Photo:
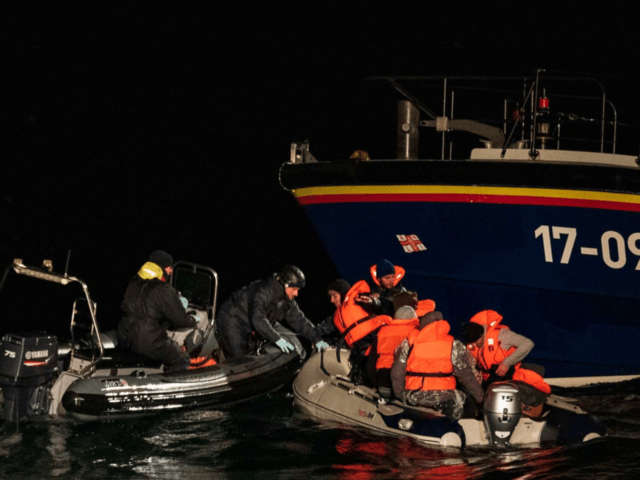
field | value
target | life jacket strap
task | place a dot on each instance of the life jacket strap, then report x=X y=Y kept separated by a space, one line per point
x=356 y=323
x=418 y=374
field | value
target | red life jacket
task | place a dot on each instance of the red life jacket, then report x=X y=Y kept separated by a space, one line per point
x=491 y=352
x=389 y=337
x=532 y=378
x=429 y=364
x=399 y=275
x=353 y=321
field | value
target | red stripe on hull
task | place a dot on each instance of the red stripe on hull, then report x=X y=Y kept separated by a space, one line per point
x=462 y=198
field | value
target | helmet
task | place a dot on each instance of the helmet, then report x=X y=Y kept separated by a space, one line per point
x=291 y=276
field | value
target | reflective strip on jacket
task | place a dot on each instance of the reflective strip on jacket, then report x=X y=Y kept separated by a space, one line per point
x=389 y=337
x=429 y=365
x=353 y=321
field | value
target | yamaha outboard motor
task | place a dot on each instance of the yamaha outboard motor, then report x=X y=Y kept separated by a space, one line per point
x=502 y=412
x=28 y=367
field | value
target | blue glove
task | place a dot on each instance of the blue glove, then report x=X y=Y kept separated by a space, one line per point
x=185 y=302
x=285 y=346
x=321 y=345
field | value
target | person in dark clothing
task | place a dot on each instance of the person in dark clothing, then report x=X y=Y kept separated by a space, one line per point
x=258 y=307
x=149 y=303
x=336 y=291
x=386 y=284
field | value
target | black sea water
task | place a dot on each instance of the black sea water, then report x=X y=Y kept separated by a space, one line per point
x=266 y=438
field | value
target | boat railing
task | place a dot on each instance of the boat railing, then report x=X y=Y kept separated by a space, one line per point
x=206 y=296
x=46 y=273
x=526 y=117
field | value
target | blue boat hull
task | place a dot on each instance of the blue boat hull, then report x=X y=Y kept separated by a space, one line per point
x=561 y=265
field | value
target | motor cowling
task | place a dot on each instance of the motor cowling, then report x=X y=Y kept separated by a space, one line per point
x=502 y=412
x=28 y=367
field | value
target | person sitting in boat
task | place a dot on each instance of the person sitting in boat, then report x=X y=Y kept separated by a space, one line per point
x=258 y=307
x=336 y=291
x=428 y=365
x=149 y=302
x=389 y=337
x=387 y=285
x=498 y=352
x=358 y=321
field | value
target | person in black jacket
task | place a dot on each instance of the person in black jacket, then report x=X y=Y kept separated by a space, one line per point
x=258 y=308
x=149 y=302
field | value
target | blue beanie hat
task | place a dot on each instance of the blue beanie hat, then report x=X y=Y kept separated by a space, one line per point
x=385 y=267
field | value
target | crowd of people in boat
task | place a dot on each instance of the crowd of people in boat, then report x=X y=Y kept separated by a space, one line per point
x=402 y=346
x=397 y=343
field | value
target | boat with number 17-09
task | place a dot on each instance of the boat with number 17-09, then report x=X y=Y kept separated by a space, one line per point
x=534 y=214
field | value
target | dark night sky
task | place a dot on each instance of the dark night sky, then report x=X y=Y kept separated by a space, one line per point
x=131 y=126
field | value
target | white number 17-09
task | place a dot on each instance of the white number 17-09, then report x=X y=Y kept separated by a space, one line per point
x=608 y=240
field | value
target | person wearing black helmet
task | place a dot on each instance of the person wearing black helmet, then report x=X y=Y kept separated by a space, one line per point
x=258 y=308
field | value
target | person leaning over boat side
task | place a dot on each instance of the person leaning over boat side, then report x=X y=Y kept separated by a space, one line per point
x=499 y=352
x=150 y=301
x=427 y=365
x=336 y=292
x=260 y=305
x=358 y=320
x=495 y=347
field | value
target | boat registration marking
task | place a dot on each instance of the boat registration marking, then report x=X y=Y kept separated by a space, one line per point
x=613 y=245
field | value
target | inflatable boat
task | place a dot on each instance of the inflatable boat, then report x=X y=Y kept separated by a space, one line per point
x=88 y=377
x=323 y=390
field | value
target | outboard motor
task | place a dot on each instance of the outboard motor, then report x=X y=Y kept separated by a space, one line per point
x=28 y=367
x=502 y=412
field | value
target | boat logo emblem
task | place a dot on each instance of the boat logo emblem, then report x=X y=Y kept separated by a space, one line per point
x=411 y=243
x=36 y=354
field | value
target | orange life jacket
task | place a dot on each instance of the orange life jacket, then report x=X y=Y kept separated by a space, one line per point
x=532 y=378
x=491 y=352
x=389 y=337
x=399 y=275
x=429 y=364
x=425 y=306
x=353 y=321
